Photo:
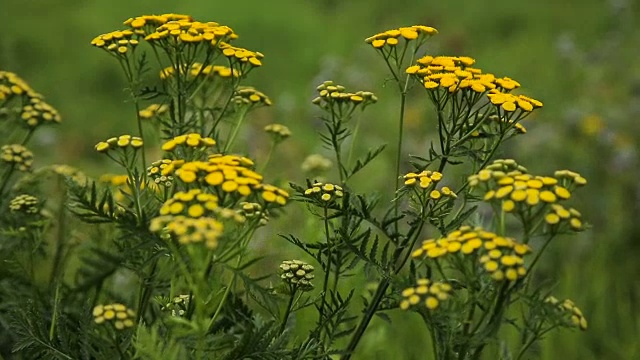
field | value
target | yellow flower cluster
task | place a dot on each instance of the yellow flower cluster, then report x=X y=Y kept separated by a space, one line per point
x=330 y=93
x=34 y=111
x=155 y=172
x=188 y=230
x=197 y=69
x=186 y=31
x=230 y=174
x=151 y=22
x=567 y=307
x=454 y=73
x=114 y=180
x=153 y=110
x=425 y=185
x=192 y=140
x=122 y=142
x=427 y=292
x=250 y=96
x=117 y=42
x=391 y=38
x=116 y=314
x=508 y=183
x=501 y=257
x=11 y=84
x=316 y=163
x=278 y=131
x=324 y=193
x=193 y=203
x=25 y=203
x=510 y=102
x=252 y=210
x=241 y=56
x=297 y=274
x=559 y=215
x=17 y=155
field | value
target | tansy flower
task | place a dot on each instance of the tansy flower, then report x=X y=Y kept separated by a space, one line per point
x=193 y=203
x=117 y=315
x=247 y=95
x=510 y=102
x=426 y=293
x=185 y=32
x=39 y=112
x=189 y=230
x=192 y=140
x=332 y=95
x=315 y=163
x=120 y=142
x=278 y=131
x=17 y=156
x=392 y=38
x=155 y=172
x=569 y=311
x=24 y=203
x=297 y=274
x=324 y=194
x=153 y=110
x=118 y=43
x=500 y=257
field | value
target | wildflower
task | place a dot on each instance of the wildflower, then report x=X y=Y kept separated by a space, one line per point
x=330 y=95
x=278 y=131
x=272 y=194
x=500 y=257
x=12 y=85
x=569 y=311
x=509 y=102
x=240 y=58
x=247 y=95
x=17 y=156
x=316 y=163
x=120 y=142
x=118 y=315
x=193 y=203
x=297 y=274
x=252 y=210
x=148 y=23
x=192 y=140
x=559 y=216
x=25 y=203
x=118 y=43
x=186 y=32
x=428 y=293
x=153 y=110
x=189 y=230
x=324 y=193
x=199 y=70
x=155 y=173
x=38 y=112
x=391 y=38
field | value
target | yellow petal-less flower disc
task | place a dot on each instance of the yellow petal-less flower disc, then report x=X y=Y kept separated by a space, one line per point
x=431 y=303
x=562 y=193
x=547 y=196
x=214 y=178
x=102 y=146
x=552 y=219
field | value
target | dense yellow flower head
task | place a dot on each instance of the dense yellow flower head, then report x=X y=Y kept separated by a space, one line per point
x=392 y=38
x=278 y=131
x=506 y=183
x=148 y=23
x=197 y=70
x=330 y=94
x=191 y=140
x=500 y=257
x=247 y=95
x=510 y=102
x=241 y=58
x=153 y=111
x=35 y=111
x=193 y=203
x=297 y=274
x=24 y=203
x=120 y=142
x=324 y=193
x=117 y=315
x=426 y=293
x=569 y=311
x=155 y=172
x=187 y=32
x=189 y=230
x=17 y=155
x=119 y=43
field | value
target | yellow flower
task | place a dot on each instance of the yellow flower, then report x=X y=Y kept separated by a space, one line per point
x=430 y=293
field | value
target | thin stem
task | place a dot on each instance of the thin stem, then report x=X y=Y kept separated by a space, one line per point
x=327 y=269
x=288 y=311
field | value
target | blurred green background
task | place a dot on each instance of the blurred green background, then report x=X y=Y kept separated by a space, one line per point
x=580 y=57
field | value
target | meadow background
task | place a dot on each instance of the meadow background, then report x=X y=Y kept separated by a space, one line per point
x=580 y=57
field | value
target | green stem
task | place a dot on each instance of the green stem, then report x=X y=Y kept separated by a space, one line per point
x=327 y=269
x=288 y=311
x=236 y=129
